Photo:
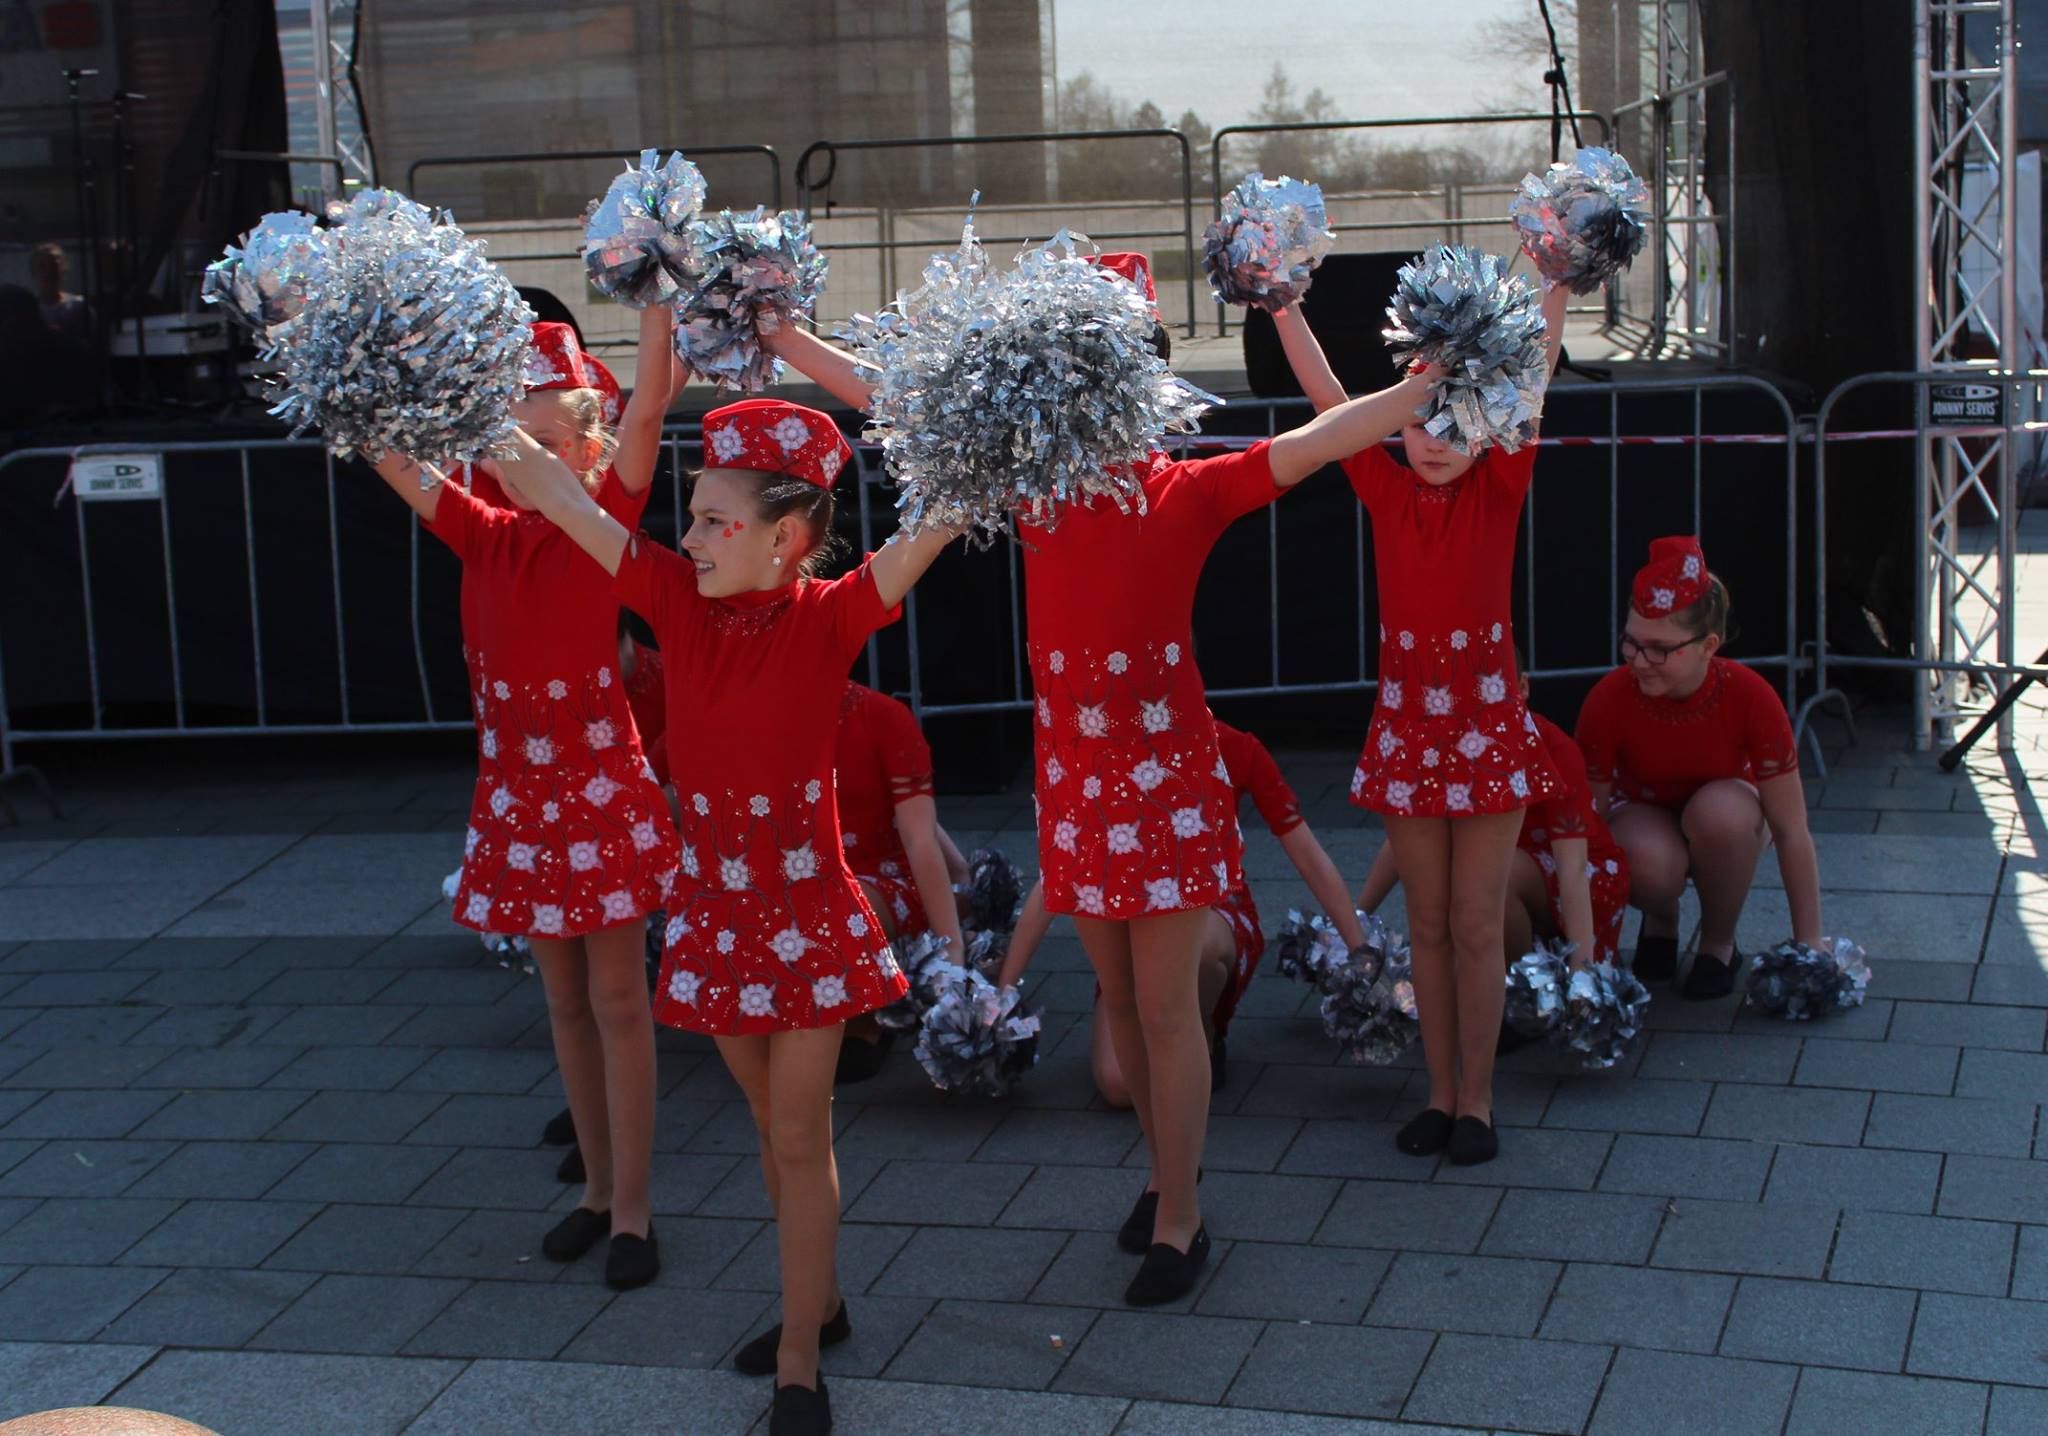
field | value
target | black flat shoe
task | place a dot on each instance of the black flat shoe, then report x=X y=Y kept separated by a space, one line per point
x=1168 y=1274
x=1656 y=958
x=575 y=1234
x=757 y=1357
x=1427 y=1133
x=632 y=1261
x=860 y=1059
x=560 y=1130
x=1472 y=1142
x=1710 y=977
x=800 y=1411
x=1135 y=1235
x=570 y=1168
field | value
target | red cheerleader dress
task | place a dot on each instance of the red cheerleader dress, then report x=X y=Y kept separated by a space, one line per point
x=1663 y=750
x=767 y=929
x=646 y=694
x=568 y=832
x=1254 y=774
x=1450 y=736
x=1571 y=814
x=883 y=759
x=1134 y=804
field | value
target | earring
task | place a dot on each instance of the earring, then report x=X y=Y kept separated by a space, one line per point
x=778 y=560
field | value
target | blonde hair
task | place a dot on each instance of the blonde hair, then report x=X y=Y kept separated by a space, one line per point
x=586 y=412
x=1708 y=613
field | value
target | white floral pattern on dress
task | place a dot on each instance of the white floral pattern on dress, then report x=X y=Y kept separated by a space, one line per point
x=599 y=734
x=557 y=689
x=1088 y=898
x=1092 y=721
x=1158 y=717
x=479 y=909
x=520 y=856
x=1473 y=744
x=856 y=925
x=734 y=875
x=1148 y=775
x=601 y=789
x=829 y=992
x=1458 y=797
x=1063 y=835
x=757 y=999
x=583 y=857
x=1187 y=822
x=1123 y=837
x=620 y=907
x=539 y=752
x=1493 y=688
x=547 y=918
x=1401 y=795
x=1436 y=701
x=1390 y=694
x=799 y=863
x=789 y=944
x=1162 y=893
x=644 y=835
x=683 y=983
x=1118 y=663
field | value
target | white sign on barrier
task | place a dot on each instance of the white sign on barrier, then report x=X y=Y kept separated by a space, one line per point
x=117 y=476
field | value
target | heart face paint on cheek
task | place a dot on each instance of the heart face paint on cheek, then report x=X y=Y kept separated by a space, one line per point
x=733 y=528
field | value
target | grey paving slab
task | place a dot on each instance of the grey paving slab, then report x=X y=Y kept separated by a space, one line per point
x=1499 y=1296
x=1351 y=1371
x=1638 y=1306
x=1855 y=1177
x=1992 y=1187
x=1928 y=1253
x=70 y=1303
x=1130 y=1354
x=1084 y=1138
x=1158 y=1418
x=381 y=1117
x=129 y=910
x=185 y=954
x=1977 y=1126
x=1716 y=1057
x=1286 y=1282
x=2017 y=1411
x=505 y=1246
x=1538 y=1157
x=1991 y=1073
x=210 y=1233
x=66 y=954
x=328 y=1026
x=480 y=1070
x=1911 y=981
x=1416 y=1217
x=1830 y=1402
x=554 y=1396
x=364 y=1240
x=459 y=986
x=510 y=1320
x=84 y=1113
x=1289 y=1090
x=199 y=987
x=1977 y=1338
x=1344 y=1148
x=234 y=1391
x=1502 y=1381
x=1677 y=1395
x=220 y=1308
x=358 y=1315
x=358 y=1172
x=497 y=1120
x=1787 y=1114
x=1970 y=1024
x=958 y=1262
x=2014 y=983
x=1781 y=1239
x=280 y=953
x=490 y=1177
x=1237 y=1143
x=1820 y=1323
x=203 y=863
x=82 y=1169
x=216 y=1026
x=1878 y=1066
x=1721 y=1168
x=1640 y=1104
x=49 y=1375
x=253 y=909
x=1575 y=1226
x=349 y=1069
x=83 y=1032
x=216 y=1068
x=90 y=1233
x=922 y=1409
x=993 y=1344
x=293 y=986
x=448 y=1025
x=75 y=989
x=1244 y=1207
x=221 y=1116
x=2030 y=1265
x=1092 y=1271
x=661 y=1327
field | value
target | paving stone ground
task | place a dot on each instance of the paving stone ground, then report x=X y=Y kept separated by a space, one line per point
x=269 y=1159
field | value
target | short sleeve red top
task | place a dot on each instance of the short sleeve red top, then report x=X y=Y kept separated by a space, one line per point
x=1663 y=750
x=883 y=759
x=1254 y=773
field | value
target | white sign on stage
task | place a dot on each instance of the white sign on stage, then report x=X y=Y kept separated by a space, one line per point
x=117 y=476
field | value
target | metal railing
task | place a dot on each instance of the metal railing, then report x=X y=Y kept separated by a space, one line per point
x=531 y=157
x=885 y=248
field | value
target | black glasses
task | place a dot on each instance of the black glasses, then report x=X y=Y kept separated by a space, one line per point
x=1653 y=654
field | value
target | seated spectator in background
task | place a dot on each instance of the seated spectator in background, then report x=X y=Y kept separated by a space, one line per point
x=66 y=313
x=41 y=371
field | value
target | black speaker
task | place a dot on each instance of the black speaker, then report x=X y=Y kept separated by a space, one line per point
x=1346 y=308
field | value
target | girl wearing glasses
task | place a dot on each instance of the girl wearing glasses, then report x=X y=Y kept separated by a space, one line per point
x=1693 y=759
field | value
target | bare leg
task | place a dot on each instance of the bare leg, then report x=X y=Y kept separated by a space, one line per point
x=800 y=1068
x=1166 y=965
x=579 y=1054
x=1422 y=856
x=1480 y=849
x=1108 y=945
x=1528 y=908
x=1109 y=1077
x=616 y=959
x=1219 y=955
x=1725 y=833
x=1657 y=863
x=864 y=1028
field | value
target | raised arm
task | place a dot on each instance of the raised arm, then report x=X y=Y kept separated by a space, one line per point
x=546 y=483
x=1784 y=801
x=1555 y=298
x=1379 y=882
x=1305 y=357
x=1574 y=896
x=957 y=868
x=830 y=368
x=405 y=478
x=1033 y=922
x=901 y=562
x=660 y=377
x=917 y=824
x=1320 y=873
x=1341 y=432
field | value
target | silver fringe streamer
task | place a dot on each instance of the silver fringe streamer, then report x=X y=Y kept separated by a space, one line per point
x=1603 y=1014
x=1267 y=242
x=977 y=1039
x=1536 y=989
x=993 y=889
x=636 y=239
x=1459 y=309
x=1800 y=983
x=1369 y=1002
x=928 y=962
x=266 y=281
x=755 y=273
x=1583 y=222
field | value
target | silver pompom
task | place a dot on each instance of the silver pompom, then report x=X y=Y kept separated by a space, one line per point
x=993 y=890
x=1369 y=1001
x=265 y=281
x=1308 y=947
x=1583 y=222
x=637 y=239
x=511 y=949
x=1800 y=983
x=1017 y=389
x=1459 y=309
x=1603 y=1014
x=1536 y=990
x=977 y=1039
x=928 y=962
x=407 y=339
x=1270 y=237
x=755 y=272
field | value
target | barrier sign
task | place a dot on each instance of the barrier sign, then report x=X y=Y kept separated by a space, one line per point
x=117 y=476
x=1964 y=402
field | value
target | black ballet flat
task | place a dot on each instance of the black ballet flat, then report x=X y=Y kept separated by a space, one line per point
x=1656 y=958
x=1472 y=1142
x=1426 y=1133
x=800 y=1411
x=757 y=1357
x=1168 y=1274
x=575 y=1234
x=570 y=1169
x=1710 y=977
x=860 y=1059
x=560 y=1130
x=633 y=1261
x=1135 y=1235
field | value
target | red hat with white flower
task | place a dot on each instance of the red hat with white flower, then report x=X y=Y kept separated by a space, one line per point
x=1674 y=579
x=1134 y=267
x=776 y=437
x=558 y=360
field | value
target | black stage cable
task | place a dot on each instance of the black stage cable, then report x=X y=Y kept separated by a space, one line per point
x=1561 y=107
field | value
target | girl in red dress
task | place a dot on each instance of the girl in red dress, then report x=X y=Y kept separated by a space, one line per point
x=1693 y=760
x=570 y=842
x=1452 y=757
x=771 y=944
x=889 y=830
x=1134 y=833
x=1233 y=940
